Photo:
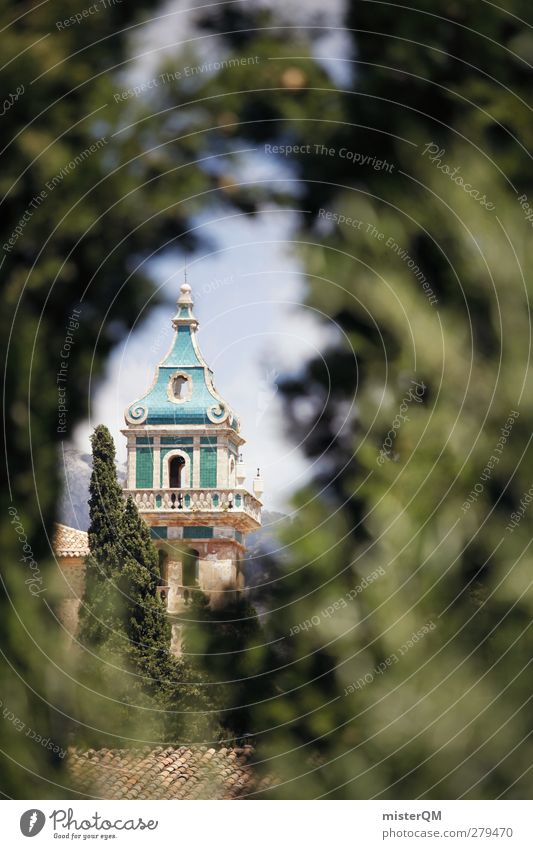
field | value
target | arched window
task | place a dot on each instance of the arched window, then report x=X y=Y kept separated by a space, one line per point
x=163 y=567
x=191 y=568
x=175 y=469
x=179 y=386
x=232 y=473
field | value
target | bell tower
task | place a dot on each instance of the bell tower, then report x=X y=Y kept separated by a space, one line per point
x=186 y=474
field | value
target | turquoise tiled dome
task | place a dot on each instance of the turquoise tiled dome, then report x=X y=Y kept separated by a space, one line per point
x=195 y=401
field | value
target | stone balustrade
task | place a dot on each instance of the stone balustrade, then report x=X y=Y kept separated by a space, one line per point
x=196 y=500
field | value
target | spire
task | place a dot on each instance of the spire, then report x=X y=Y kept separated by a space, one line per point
x=185 y=303
x=197 y=402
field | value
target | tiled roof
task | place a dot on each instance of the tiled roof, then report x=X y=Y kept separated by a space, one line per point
x=70 y=542
x=163 y=773
x=203 y=406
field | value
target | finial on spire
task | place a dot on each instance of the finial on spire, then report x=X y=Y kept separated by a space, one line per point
x=185 y=299
x=184 y=314
x=258 y=485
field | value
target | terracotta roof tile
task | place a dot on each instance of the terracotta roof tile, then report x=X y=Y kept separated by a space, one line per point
x=70 y=542
x=157 y=773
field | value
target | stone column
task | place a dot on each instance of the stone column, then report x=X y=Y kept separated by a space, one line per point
x=175 y=600
x=196 y=463
x=175 y=640
x=222 y=462
x=157 y=462
x=132 y=462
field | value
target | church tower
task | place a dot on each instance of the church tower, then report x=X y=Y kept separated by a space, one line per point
x=186 y=475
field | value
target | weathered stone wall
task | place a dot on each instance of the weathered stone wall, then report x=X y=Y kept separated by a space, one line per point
x=71 y=586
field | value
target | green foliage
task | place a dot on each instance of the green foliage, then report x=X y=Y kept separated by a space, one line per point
x=122 y=571
x=72 y=251
x=451 y=717
x=151 y=695
x=99 y=611
x=146 y=623
x=128 y=700
x=83 y=243
x=228 y=645
x=448 y=715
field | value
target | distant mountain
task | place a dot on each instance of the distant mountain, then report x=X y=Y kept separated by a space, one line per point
x=264 y=559
x=265 y=540
x=76 y=470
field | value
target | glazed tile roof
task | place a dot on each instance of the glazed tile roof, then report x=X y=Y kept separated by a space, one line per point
x=70 y=542
x=203 y=406
x=163 y=773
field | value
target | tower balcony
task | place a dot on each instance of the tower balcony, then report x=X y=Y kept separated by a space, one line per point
x=185 y=506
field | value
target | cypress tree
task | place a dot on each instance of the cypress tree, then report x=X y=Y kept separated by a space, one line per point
x=178 y=688
x=99 y=612
x=145 y=621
